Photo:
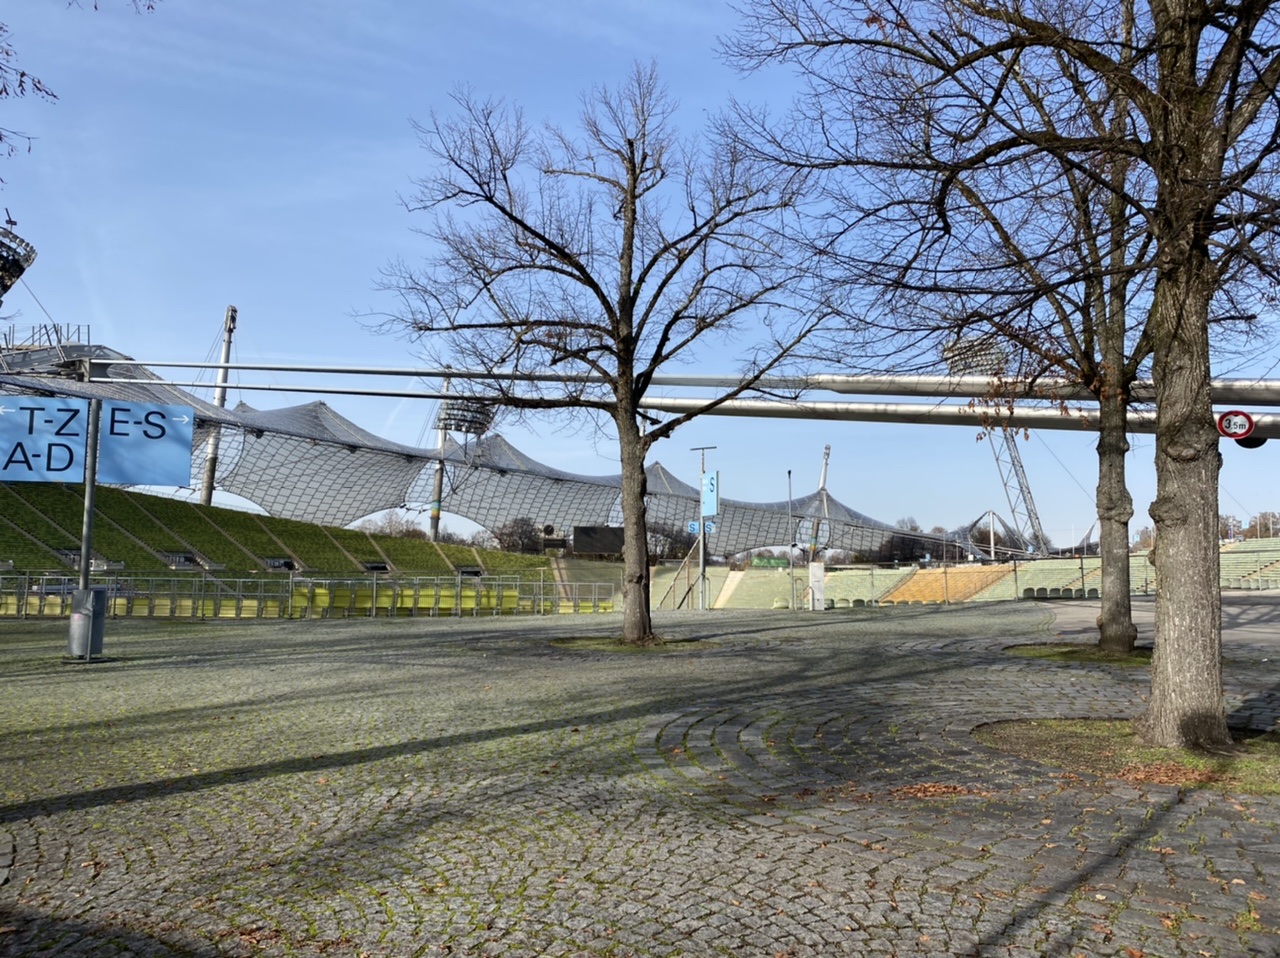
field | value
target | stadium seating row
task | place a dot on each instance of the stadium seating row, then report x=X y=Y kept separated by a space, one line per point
x=40 y=527
x=308 y=598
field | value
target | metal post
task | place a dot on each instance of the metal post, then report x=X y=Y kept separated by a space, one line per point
x=702 y=566
x=219 y=400
x=702 y=528
x=437 y=488
x=90 y=484
x=791 y=545
x=86 y=618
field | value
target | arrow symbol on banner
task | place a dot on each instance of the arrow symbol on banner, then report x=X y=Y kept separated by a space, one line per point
x=4 y=409
x=182 y=419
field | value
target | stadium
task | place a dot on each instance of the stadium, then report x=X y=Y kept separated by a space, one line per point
x=313 y=473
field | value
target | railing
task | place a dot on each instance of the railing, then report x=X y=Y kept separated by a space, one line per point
x=1242 y=567
x=298 y=598
x=679 y=591
x=278 y=597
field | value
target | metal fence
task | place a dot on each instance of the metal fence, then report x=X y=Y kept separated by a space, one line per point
x=300 y=598
x=206 y=597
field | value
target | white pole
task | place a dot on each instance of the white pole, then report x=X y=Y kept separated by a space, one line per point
x=791 y=544
x=702 y=527
x=219 y=400
x=702 y=566
x=437 y=489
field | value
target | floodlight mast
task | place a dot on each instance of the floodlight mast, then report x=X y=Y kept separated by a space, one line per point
x=816 y=529
x=219 y=400
x=437 y=485
x=467 y=416
x=16 y=254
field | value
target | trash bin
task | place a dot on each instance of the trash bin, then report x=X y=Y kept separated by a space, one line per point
x=88 y=622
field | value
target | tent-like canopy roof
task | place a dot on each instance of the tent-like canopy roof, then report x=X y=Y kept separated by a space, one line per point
x=309 y=463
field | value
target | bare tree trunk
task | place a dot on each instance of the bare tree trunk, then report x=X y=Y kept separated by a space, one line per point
x=1115 y=509
x=1114 y=503
x=1186 y=708
x=637 y=619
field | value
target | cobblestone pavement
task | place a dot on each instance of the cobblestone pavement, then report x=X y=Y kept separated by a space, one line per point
x=774 y=784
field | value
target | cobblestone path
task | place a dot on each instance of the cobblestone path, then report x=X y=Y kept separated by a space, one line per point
x=772 y=785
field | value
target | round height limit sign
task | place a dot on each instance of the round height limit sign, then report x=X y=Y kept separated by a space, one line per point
x=1235 y=424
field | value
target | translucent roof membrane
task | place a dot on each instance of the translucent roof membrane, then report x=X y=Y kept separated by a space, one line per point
x=309 y=463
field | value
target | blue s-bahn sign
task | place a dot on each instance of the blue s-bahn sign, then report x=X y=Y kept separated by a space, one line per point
x=145 y=445
x=44 y=439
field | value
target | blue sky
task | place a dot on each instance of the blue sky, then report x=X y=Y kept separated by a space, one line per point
x=239 y=152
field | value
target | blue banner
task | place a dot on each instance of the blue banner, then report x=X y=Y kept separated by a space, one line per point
x=42 y=439
x=710 y=494
x=145 y=445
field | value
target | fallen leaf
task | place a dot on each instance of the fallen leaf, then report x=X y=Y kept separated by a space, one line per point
x=934 y=790
x=1165 y=773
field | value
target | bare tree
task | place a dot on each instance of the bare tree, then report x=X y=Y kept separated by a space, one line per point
x=1262 y=526
x=1035 y=271
x=1161 y=115
x=519 y=535
x=16 y=81
x=670 y=541
x=595 y=260
x=393 y=523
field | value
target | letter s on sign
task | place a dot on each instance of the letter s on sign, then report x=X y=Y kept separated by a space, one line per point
x=155 y=425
